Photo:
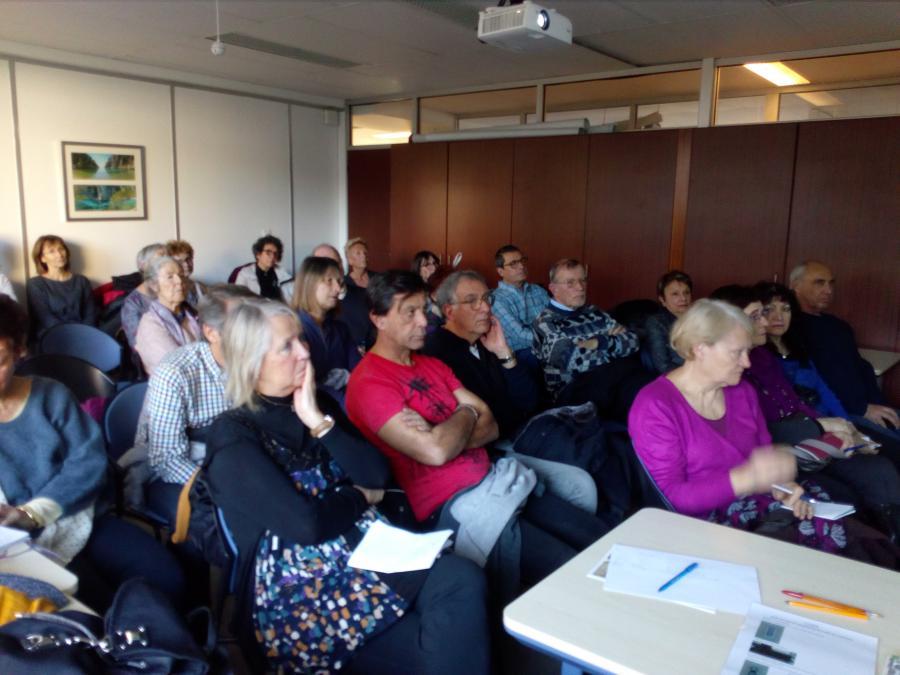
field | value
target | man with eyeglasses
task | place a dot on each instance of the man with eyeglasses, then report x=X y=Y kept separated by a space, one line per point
x=583 y=350
x=473 y=343
x=265 y=277
x=517 y=303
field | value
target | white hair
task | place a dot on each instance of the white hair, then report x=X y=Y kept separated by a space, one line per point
x=797 y=273
x=706 y=322
x=146 y=254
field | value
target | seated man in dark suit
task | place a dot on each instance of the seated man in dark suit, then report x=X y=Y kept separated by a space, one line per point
x=832 y=347
x=473 y=344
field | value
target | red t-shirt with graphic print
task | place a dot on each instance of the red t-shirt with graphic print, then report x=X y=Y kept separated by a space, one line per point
x=378 y=390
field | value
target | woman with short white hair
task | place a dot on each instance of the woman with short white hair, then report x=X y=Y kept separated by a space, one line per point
x=170 y=322
x=701 y=435
x=312 y=492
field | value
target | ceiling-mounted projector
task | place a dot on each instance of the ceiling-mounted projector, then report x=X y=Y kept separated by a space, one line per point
x=524 y=27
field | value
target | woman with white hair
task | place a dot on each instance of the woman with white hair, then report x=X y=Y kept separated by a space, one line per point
x=315 y=483
x=138 y=301
x=170 y=322
x=702 y=437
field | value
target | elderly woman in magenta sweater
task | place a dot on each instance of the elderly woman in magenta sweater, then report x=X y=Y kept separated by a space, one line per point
x=701 y=435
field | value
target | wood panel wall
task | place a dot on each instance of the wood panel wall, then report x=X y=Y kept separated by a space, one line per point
x=846 y=212
x=479 y=202
x=631 y=189
x=739 y=204
x=743 y=203
x=369 y=202
x=418 y=201
x=549 y=192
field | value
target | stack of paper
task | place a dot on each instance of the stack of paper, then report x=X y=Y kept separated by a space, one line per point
x=10 y=536
x=389 y=549
x=780 y=643
x=829 y=510
x=713 y=586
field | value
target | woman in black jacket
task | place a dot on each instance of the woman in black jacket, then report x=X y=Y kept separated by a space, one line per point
x=298 y=488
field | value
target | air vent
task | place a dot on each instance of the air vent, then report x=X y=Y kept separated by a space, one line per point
x=288 y=52
x=503 y=21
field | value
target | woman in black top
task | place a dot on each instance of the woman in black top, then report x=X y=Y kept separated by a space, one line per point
x=298 y=489
x=57 y=295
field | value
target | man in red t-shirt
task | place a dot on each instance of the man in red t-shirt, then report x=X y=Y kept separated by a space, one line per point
x=413 y=408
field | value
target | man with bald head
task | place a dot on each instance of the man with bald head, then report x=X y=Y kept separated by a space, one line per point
x=324 y=250
x=832 y=346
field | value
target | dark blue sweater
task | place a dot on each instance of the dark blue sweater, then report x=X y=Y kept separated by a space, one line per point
x=832 y=347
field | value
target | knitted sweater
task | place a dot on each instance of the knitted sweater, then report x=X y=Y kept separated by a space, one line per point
x=52 y=449
x=557 y=333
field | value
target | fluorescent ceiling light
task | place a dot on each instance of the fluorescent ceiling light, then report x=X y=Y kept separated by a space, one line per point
x=777 y=73
x=392 y=135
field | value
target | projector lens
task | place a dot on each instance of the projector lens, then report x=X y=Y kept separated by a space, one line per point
x=543 y=20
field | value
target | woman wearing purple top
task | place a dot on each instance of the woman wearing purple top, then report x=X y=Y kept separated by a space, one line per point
x=702 y=437
x=866 y=480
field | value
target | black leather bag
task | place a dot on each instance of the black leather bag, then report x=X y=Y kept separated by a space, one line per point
x=141 y=633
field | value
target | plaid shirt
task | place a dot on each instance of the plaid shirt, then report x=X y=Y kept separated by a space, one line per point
x=187 y=391
x=557 y=332
x=516 y=309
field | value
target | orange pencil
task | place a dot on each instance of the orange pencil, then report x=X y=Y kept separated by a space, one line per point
x=853 y=614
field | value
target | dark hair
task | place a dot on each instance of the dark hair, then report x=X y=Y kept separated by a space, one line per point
x=13 y=323
x=423 y=258
x=735 y=294
x=669 y=277
x=384 y=287
x=766 y=292
x=260 y=244
x=498 y=256
x=38 y=250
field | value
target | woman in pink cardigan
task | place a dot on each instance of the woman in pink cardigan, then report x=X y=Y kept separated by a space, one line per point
x=701 y=435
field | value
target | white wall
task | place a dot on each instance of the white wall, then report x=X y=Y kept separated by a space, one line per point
x=233 y=177
x=61 y=105
x=318 y=170
x=230 y=155
x=11 y=262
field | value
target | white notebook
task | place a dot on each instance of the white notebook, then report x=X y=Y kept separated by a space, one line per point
x=10 y=536
x=829 y=510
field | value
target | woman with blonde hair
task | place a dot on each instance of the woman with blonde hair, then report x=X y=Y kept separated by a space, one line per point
x=702 y=437
x=314 y=494
x=317 y=291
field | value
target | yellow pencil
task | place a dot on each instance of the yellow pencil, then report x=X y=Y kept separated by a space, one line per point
x=858 y=614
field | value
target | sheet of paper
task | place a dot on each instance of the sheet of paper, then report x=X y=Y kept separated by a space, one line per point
x=713 y=585
x=389 y=549
x=830 y=510
x=10 y=536
x=774 y=642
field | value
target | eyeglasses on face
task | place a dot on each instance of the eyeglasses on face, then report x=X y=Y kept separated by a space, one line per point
x=572 y=283
x=474 y=301
x=518 y=262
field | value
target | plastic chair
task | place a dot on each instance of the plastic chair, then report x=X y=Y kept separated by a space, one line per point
x=83 y=379
x=84 y=342
x=121 y=419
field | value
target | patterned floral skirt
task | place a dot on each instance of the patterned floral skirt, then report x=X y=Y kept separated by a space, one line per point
x=312 y=611
x=748 y=513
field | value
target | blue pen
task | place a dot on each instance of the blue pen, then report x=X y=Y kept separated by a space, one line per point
x=683 y=573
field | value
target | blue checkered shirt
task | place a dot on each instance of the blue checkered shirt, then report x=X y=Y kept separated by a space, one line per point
x=186 y=391
x=516 y=309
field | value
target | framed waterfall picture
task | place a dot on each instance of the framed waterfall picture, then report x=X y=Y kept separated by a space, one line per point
x=104 y=182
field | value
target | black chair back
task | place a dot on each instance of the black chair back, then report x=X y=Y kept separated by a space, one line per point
x=83 y=380
x=120 y=420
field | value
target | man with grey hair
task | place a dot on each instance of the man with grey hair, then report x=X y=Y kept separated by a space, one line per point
x=583 y=350
x=832 y=347
x=186 y=393
x=473 y=344
x=325 y=250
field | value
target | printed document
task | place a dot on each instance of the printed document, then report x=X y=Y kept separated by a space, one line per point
x=389 y=549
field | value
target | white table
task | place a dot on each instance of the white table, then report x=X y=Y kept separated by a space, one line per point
x=33 y=564
x=571 y=617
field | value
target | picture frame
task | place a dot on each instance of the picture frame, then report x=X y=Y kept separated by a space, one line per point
x=104 y=181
